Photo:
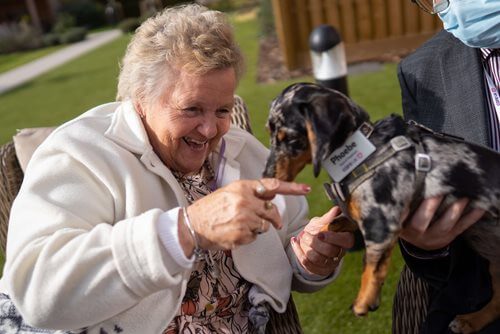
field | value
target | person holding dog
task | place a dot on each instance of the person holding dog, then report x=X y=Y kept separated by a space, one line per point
x=450 y=84
x=149 y=215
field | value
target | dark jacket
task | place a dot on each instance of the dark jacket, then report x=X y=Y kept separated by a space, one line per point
x=443 y=88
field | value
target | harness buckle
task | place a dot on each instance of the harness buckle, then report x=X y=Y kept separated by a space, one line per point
x=400 y=143
x=366 y=129
x=334 y=192
x=338 y=191
x=360 y=170
x=422 y=162
x=328 y=191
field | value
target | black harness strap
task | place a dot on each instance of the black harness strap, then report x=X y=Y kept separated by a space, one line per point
x=423 y=162
x=339 y=192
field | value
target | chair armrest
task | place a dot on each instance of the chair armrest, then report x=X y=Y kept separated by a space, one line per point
x=11 y=177
x=239 y=116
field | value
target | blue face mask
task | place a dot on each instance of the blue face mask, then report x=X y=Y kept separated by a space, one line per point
x=475 y=22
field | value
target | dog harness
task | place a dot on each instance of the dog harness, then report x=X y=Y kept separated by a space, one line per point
x=339 y=192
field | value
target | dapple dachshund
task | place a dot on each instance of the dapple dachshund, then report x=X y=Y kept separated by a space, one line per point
x=379 y=171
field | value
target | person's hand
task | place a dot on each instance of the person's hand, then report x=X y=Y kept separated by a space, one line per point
x=235 y=214
x=424 y=231
x=320 y=252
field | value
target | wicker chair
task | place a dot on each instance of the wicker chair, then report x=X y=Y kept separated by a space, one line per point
x=11 y=177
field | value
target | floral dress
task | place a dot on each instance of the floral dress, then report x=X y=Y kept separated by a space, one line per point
x=216 y=299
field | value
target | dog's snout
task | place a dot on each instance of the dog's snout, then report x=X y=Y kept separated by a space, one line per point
x=268 y=172
x=270 y=169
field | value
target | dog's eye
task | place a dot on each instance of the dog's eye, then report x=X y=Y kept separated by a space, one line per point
x=270 y=127
x=293 y=141
x=291 y=135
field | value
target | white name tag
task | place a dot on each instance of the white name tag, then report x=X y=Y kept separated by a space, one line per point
x=343 y=160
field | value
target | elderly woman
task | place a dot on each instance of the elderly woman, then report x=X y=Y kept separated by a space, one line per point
x=148 y=216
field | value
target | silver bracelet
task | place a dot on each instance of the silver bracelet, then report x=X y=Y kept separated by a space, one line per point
x=198 y=252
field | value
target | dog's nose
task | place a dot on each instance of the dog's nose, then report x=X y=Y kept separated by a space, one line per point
x=268 y=172
x=270 y=169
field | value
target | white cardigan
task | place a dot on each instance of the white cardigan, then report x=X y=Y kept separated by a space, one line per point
x=83 y=249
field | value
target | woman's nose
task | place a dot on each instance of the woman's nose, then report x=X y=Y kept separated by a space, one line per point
x=208 y=126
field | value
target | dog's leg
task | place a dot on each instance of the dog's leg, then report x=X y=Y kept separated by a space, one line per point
x=376 y=264
x=474 y=322
x=380 y=232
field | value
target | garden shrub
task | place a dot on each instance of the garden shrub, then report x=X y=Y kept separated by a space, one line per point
x=266 y=18
x=129 y=25
x=220 y=5
x=64 y=22
x=65 y=31
x=19 y=37
x=73 y=35
x=87 y=13
x=50 y=39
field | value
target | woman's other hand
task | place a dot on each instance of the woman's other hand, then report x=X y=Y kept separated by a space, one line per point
x=426 y=232
x=235 y=214
x=320 y=252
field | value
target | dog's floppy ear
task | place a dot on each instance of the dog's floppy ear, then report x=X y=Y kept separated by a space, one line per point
x=317 y=136
x=330 y=119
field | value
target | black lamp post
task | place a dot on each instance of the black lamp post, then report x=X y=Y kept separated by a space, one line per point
x=328 y=58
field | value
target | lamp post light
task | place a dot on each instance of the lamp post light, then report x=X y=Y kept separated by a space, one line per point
x=328 y=58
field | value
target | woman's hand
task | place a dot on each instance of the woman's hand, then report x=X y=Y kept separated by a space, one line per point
x=428 y=233
x=320 y=252
x=235 y=214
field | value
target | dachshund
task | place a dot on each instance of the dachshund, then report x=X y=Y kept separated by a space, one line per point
x=380 y=171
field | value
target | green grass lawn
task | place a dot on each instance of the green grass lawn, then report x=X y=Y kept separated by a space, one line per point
x=63 y=93
x=66 y=92
x=12 y=60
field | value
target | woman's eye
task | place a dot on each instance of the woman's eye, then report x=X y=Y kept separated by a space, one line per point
x=191 y=111
x=223 y=112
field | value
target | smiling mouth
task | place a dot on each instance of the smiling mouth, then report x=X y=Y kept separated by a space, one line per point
x=195 y=144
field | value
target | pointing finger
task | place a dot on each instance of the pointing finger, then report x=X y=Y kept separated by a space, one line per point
x=268 y=188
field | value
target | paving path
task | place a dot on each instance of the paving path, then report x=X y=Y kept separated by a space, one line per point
x=27 y=72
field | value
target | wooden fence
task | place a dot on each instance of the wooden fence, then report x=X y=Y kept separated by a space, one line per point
x=369 y=28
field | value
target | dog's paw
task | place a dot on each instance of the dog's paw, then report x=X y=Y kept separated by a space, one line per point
x=460 y=325
x=360 y=310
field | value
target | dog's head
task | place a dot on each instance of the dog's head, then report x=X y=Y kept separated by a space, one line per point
x=306 y=123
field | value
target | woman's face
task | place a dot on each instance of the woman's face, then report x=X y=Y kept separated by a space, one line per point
x=191 y=117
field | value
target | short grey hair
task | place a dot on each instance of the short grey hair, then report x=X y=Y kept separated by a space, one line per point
x=188 y=37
